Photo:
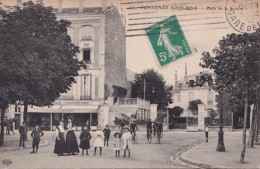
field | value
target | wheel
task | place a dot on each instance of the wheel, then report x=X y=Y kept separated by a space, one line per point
x=150 y=139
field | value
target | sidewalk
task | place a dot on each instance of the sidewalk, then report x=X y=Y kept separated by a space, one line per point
x=12 y=141
x=205 y=155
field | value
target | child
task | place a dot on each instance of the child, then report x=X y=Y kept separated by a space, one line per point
x=207 y=132
x=36 y=135
x=99 y=142
x=117 y=143
x=84 y=140
x=127 y=141
x=106 y=132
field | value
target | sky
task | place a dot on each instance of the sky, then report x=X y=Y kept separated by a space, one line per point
x=203 y=22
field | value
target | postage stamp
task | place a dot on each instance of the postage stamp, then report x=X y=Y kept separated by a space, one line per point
x=168 y=41
x=243 y=15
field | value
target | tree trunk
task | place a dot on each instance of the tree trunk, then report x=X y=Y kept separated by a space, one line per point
x=25 y=111
x=252 y=129
x=257 y=120
x=2 y=125
x=242 y=157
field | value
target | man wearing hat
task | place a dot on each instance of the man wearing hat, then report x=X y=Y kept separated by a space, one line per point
x=127 y=141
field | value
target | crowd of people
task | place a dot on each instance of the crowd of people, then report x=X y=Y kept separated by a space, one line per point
x=66 y=140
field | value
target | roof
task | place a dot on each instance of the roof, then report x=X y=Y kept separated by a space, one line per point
x=86 y=10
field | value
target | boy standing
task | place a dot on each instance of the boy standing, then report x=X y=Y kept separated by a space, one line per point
x=106 y=132
x=207 y=132
x=22 y=131
x=36 y=135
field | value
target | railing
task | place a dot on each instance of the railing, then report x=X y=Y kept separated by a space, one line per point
x=210 y=102
x=134 y=101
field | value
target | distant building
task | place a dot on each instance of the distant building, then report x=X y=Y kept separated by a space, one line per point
x=100 y=34
x=184 y=92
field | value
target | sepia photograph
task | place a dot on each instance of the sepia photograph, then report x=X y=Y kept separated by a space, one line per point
x=129 y=84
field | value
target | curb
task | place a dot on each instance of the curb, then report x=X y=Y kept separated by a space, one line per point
x=177 y=157
x=194 y=163
x=46 y=143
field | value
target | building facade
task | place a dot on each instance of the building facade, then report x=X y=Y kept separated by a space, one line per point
x=184 y=92
x=100 y=34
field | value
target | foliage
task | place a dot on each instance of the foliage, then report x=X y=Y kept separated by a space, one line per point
x=156 y=90
x=37 y=59
x=175 y=111
x=236 y=65
x=193 y=105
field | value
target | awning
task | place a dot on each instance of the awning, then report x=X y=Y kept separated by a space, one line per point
x=64 y=109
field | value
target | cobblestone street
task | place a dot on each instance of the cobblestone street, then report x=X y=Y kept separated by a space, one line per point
x=143 y=155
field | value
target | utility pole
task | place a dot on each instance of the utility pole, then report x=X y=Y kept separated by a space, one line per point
x=144 y=88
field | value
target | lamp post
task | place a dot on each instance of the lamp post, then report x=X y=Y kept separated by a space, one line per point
x=145 y=88
x=221 y=146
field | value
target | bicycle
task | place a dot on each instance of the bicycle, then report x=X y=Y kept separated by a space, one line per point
x=150 y=137
x=134 y=137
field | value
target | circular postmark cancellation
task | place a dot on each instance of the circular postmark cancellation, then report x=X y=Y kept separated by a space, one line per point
x=243 y=15
x=7 y=162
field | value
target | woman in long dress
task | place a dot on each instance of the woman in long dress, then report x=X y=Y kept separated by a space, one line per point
x=71 y=140
x=60 y=145
x=164 y=39
x=99 y=142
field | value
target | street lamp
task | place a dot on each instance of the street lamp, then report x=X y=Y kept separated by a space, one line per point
x=145 y=88
x=221 y=146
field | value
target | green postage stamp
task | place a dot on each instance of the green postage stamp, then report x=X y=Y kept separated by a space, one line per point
x=168 y=40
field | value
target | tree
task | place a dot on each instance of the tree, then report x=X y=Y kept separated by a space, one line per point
x=175 y=111
x=193 y=106
x=236 y=66
x=38 y=59
x=151 y=85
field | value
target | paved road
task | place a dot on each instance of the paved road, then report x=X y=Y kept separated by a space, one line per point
x=143 y=155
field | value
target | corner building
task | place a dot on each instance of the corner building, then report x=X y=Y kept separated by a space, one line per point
x=100 y=34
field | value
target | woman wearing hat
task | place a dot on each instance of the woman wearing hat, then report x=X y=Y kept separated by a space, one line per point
x=71 y=140
x=127 y=141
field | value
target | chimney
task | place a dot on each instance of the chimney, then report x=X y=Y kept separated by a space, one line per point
x=81 y=2
x=104 y=5
x=60 y=6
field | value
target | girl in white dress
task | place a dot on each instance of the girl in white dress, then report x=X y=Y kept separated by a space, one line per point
x=99 y=142
x=127 y=141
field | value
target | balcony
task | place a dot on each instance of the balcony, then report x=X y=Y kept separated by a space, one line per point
x=86 y=38
x=210 y=102
x=134 y=101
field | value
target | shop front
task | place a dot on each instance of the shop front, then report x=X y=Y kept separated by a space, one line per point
x=48 y=118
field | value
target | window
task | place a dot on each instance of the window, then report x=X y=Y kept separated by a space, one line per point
x=86 y=81
x=179 y=98
x=96 y=87
x=86 y=55
x=191 y=96
x=210 y=98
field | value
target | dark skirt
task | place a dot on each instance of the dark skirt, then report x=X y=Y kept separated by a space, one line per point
x=71 y=141
x=84 y=144
x=60 y=145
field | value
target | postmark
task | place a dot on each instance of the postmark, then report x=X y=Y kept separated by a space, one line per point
x=168 y=41
x=243 y=15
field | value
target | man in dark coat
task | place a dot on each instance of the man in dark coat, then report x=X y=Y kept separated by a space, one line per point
x=23 y=132
x=36 y=135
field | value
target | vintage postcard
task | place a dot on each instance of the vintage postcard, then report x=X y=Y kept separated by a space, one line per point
x=144 y=97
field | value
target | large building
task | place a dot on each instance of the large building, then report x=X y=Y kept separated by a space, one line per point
x=100 y=34
x=184 y=92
